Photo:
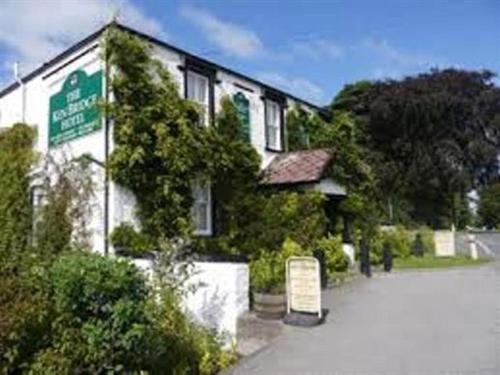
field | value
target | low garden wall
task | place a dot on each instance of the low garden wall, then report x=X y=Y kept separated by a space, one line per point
x=221 y=292
x=221 y=296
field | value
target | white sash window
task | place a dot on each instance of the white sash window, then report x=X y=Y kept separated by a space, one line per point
x=202 y=208
x=197 y=91
x=273 y=125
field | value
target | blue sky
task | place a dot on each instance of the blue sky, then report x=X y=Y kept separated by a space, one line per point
x=310 y=48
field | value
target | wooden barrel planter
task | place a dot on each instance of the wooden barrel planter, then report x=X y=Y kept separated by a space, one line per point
x=269 y=306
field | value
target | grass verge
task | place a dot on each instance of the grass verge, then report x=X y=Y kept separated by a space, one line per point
x=437 y=262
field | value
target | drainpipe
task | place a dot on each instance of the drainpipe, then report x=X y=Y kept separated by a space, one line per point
x=23 y=91
x=106 y=159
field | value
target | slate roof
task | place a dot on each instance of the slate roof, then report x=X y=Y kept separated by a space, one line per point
x=296 y=167
x=91 y=38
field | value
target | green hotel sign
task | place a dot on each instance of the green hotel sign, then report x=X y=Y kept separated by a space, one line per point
x=74 y=111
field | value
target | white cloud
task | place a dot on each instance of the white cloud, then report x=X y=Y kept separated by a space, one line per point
x=34 y=31
x=301 y=87
x=383 y=50
x=317 y=49
x=231 y=38
x=392 y=62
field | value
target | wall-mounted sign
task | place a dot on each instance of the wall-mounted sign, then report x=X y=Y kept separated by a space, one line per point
x=74 y=111
x=243 y=107
x=303 y=285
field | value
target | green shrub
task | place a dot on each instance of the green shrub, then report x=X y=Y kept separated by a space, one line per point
x=400 y=241
x=272 y=218
x=427 y=239
x=214 y=245
x=335 y=259
x=267 y=273
x=184 y=346
x=127 y=241
x=268 y=270
x=25 y=318
x=102 y=317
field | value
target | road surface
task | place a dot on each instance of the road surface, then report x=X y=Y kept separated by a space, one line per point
x=441 y=322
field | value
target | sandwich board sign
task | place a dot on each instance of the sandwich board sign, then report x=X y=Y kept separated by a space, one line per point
x=303 y=285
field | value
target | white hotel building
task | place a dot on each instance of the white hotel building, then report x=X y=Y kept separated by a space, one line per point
x=58 y=98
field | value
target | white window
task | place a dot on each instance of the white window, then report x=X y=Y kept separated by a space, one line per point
x=197 y=91
x=202 y=208
x=273 y=125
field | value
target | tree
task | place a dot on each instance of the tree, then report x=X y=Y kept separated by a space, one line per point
x=353 y=98
x=489 y=206
x=16 y=160
x=431 y=138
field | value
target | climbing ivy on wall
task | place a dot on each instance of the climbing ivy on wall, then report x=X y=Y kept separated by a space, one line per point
x=160 y=147
x=351 y=165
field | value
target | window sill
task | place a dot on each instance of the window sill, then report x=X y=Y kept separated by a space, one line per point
x=203 y=234
x=268 y=149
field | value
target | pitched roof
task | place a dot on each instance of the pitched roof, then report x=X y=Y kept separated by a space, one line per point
x=296 y=167
x=94 y=36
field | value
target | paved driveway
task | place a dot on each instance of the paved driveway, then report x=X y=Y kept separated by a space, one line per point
x=443 y=322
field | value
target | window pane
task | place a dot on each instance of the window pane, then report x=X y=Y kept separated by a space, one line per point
x=197 y=88
x=201 y=217
x=201 y=207
x=273 y=124
x=269 y=113
x=272 y=137
x=202 y=90
x=191 y=86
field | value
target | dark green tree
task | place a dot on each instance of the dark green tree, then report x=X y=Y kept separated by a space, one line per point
x=489 y=206
x=431 y=138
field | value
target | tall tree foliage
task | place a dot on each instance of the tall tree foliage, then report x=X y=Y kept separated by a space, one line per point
x=489 y=206
x=341 y=134
x=16 y=159
x=236 y=169
x=431 y=138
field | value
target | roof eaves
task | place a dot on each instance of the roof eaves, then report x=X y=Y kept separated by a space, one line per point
x=42 y=68
x=154 y=40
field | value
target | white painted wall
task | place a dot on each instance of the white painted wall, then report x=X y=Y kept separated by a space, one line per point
x=38 y=92
x=221 y=293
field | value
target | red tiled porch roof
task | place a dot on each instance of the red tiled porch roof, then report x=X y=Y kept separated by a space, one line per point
x=296 y=167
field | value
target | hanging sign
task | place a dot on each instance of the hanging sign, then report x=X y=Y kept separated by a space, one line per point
x=243 y=107
x=74 y=111
x=303 y=285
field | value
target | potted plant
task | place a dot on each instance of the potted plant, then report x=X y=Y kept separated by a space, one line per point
x=268 y=285
x=268 y=279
